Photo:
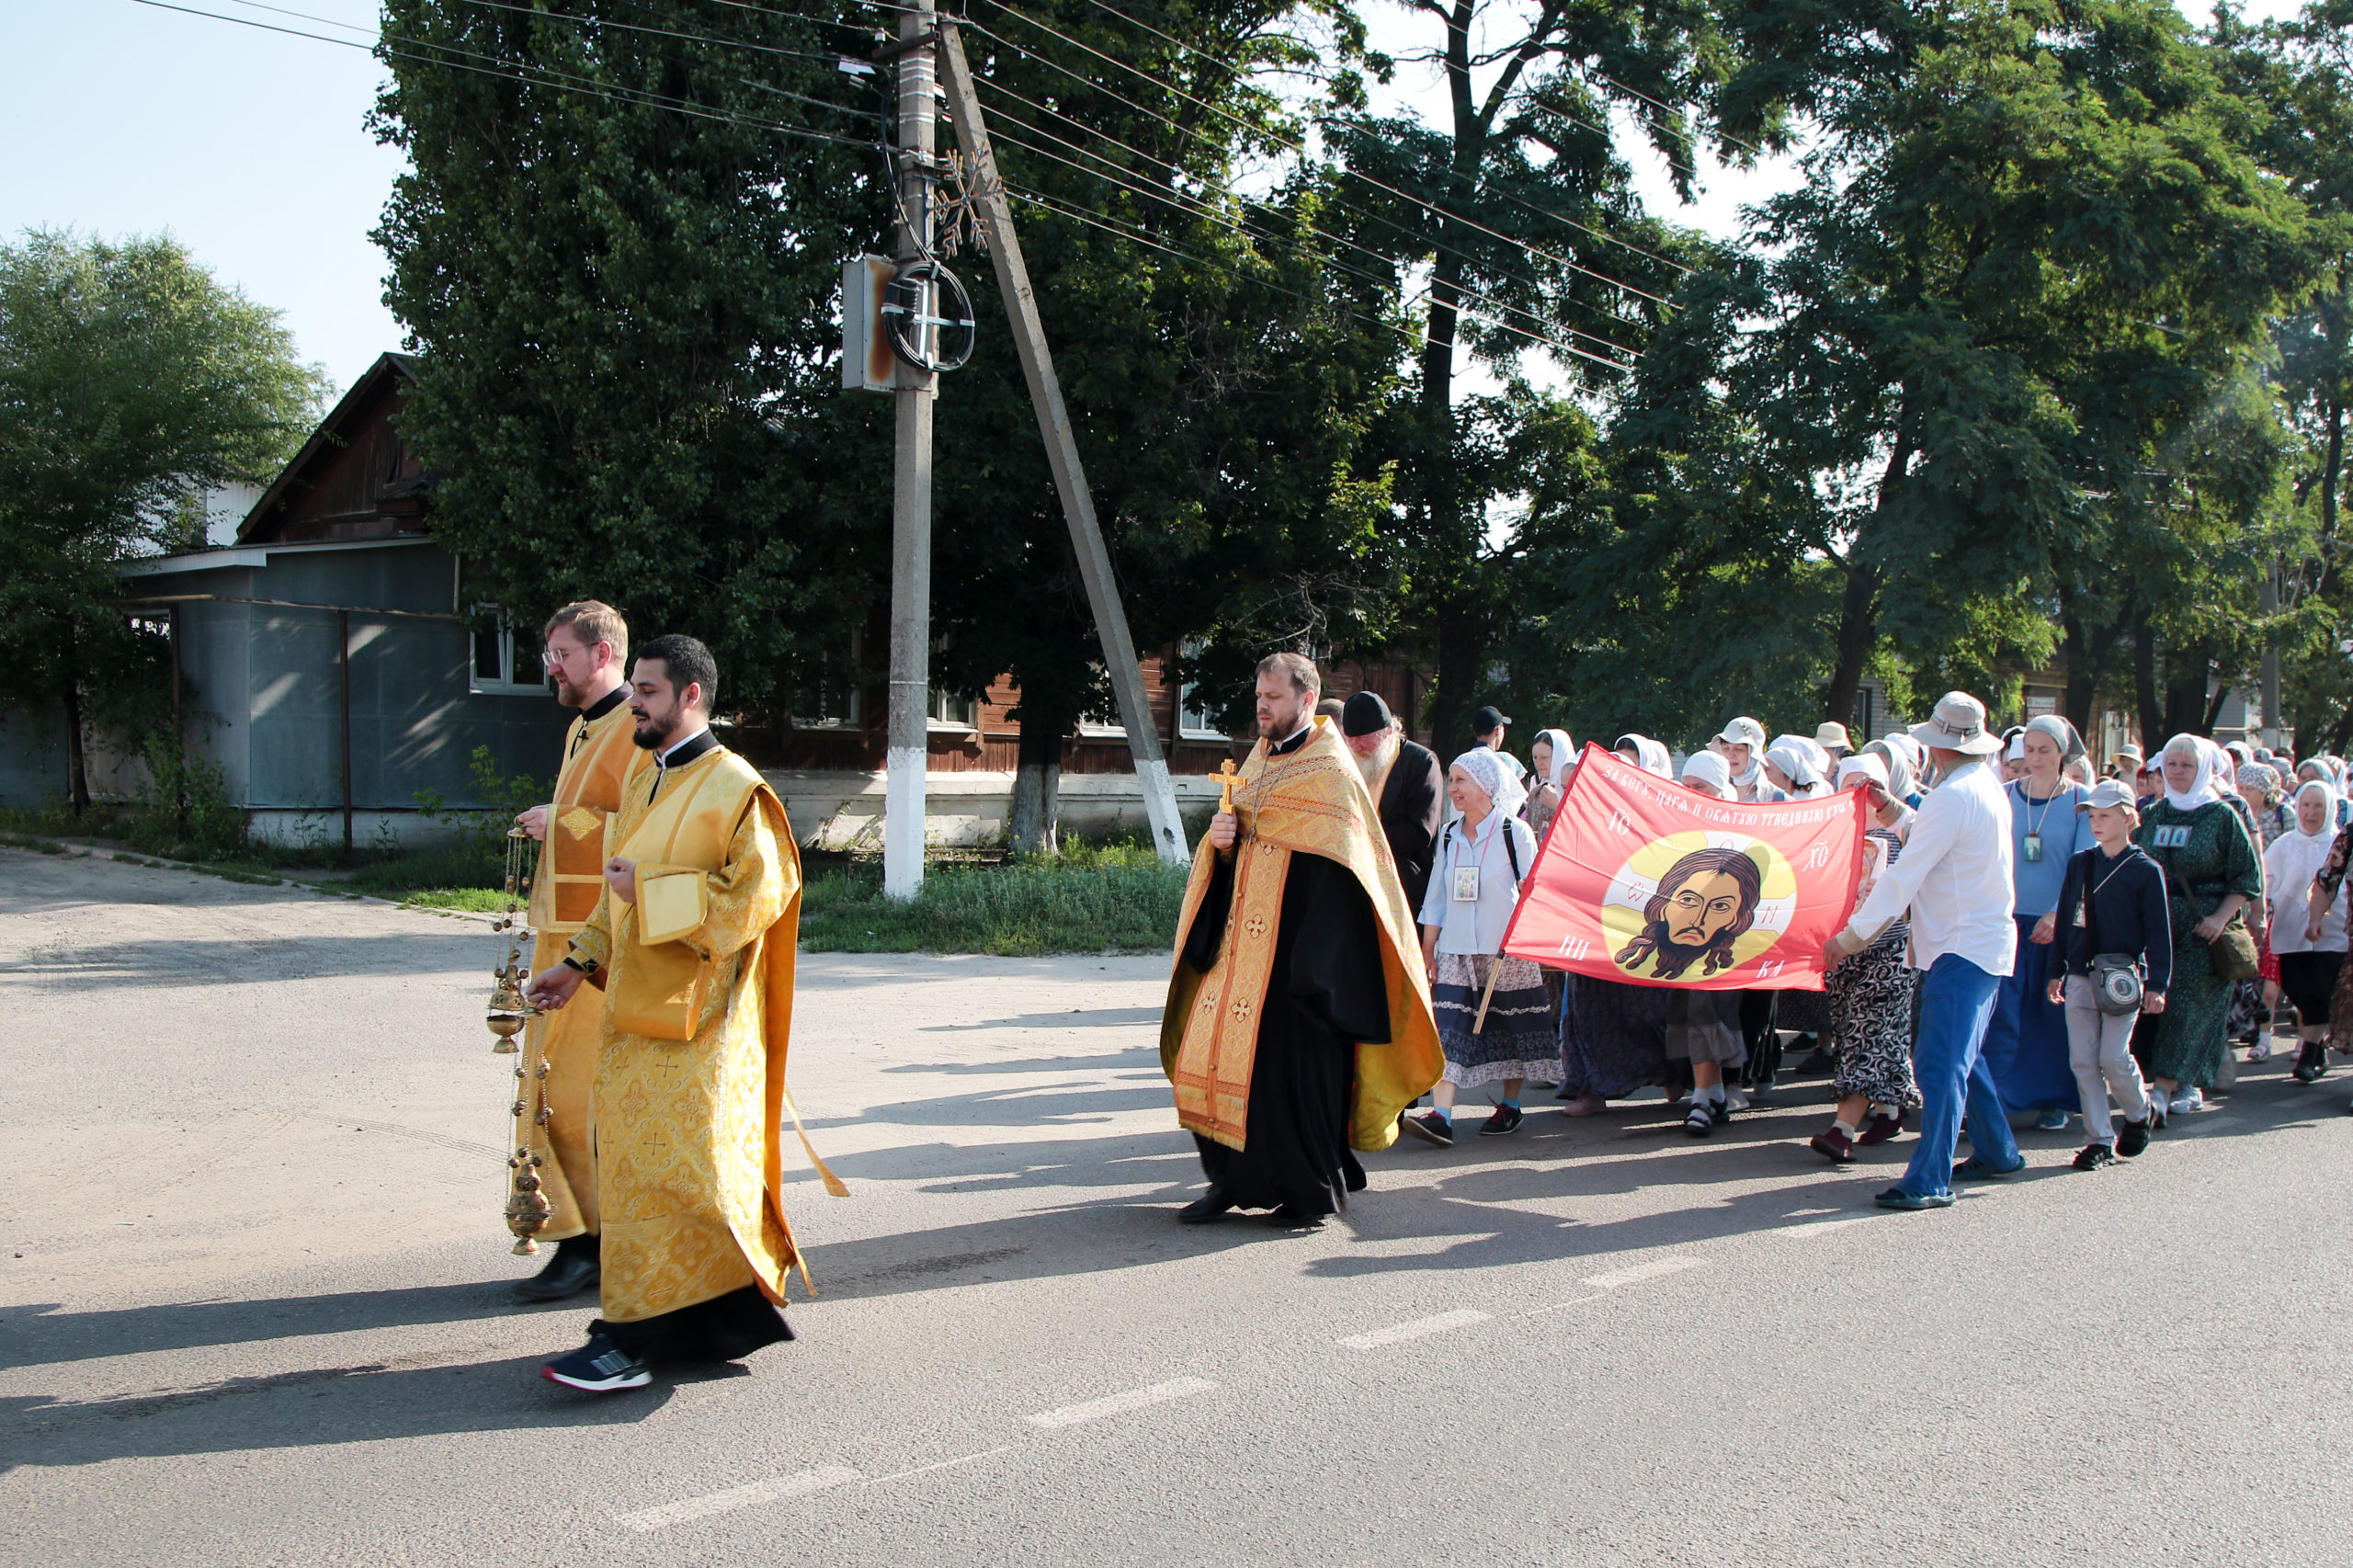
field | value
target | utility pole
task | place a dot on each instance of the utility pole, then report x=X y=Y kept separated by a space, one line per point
x=1062 y=450
x=2270 y=733
x=907 y=740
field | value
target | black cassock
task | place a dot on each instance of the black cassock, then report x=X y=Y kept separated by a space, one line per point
x=1411 y=804
x=1325 y=993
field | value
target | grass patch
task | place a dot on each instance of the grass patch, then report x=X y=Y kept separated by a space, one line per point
x=458 y=870
x=1115 y=896
x=473 y=901
x=28 y=840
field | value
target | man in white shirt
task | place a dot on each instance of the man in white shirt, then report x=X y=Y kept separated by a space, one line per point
x=1954 y=876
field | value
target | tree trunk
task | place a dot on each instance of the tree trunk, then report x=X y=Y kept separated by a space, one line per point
x=77 y=764
x=2186 y=691
x=2151 y=717
x=1034 y=826
x=1857 y=633
x=1461 y=646
x=2075 y=702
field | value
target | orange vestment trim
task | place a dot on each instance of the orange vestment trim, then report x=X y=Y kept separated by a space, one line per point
x=1312 y=802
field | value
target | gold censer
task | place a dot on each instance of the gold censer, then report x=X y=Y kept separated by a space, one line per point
x=511 y=1015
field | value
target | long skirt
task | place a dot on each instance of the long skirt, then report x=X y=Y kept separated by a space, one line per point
x=1613 y=1038
x=2184 y=1044
x=1871 y=1022
x=2309 y=980
x=1517 y=1041
x=2026 y=1041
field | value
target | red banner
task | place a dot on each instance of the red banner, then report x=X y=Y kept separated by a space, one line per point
x=1646 y=881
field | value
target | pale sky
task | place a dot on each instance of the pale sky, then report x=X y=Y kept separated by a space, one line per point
x=251 y=148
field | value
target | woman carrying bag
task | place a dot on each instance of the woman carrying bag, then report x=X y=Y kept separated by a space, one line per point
x=2211 y=874
x=2115 y=949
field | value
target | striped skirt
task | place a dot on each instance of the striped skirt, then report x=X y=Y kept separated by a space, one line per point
x=1519 y=1039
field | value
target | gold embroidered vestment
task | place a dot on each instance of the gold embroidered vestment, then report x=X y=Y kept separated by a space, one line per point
x=1312 y=802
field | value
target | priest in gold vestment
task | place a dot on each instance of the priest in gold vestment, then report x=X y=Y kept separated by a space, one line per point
x=1299 y=1024
x=587 y=649
x=693 y=939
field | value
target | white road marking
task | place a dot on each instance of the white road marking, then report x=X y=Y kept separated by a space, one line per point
x=1562 y=1306
x=943 y=1464
x=1397 y=1333
x=1816 y=1227
x=1119 y=1404
x=1641 y=1272
x=774 y=1490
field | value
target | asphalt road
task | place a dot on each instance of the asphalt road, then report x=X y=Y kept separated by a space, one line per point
x=255 y=1305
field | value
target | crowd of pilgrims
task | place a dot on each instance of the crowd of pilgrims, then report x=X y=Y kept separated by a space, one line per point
x=2194 y=865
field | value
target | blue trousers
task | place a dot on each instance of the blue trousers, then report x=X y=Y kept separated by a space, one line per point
x=1956 y=1001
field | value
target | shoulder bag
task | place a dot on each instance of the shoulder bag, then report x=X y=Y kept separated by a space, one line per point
x=2115 y=977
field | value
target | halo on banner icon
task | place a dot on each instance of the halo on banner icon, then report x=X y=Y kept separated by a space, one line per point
x=1689 y=907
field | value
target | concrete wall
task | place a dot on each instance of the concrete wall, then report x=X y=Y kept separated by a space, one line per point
x=839 y=811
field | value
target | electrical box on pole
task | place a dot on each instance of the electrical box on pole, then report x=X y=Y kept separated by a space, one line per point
x=868 y=362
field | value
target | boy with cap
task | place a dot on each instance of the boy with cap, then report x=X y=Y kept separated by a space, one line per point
x=1407 y=787
x=1487 y=726
x=2113 y=901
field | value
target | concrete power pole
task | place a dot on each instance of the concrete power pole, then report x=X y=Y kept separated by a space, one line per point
x=2270 y=603
x=908 y=743
x=1061 y=452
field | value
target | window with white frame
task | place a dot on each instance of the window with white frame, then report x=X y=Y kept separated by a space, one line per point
x=504 y=664
x=1192 y=712
x=953 y=711
x=830 y=697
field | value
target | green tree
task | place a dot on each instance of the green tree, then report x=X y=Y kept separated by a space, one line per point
x=131 y=381
x=1516 y=200
x=618 y=250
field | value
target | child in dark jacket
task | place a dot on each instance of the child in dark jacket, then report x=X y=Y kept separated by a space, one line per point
x=2113 y=901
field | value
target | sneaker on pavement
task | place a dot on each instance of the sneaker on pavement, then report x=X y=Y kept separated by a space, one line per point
x=2050 y=1120
x=1506 y=1118
x=1432 y=1128
x=1897 y=1198
x=1977 y=1169
x=2093 y=1155
x=2184 y=1100
x=1879 y=1130
x=1833 y=1146
x=600 y=1367
x=2133 y=1137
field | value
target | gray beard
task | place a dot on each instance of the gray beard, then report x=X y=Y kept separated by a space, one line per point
x=1371 y=766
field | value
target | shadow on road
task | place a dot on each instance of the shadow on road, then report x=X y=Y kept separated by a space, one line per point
x=328 y=1405
x=37 y=1334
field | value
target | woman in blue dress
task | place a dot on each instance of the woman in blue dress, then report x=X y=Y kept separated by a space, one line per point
x=2025 y=1040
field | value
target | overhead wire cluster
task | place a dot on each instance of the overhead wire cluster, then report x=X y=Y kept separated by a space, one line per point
x=1216 y=201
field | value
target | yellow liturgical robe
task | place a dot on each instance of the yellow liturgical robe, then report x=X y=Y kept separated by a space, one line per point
x=597 y=756
x=698 y=1013
x=1312 y=802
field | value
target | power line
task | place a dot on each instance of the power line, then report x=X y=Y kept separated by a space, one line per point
x=1154 y=193
x=1337 y=201
x=391 y=46
x=1425 y=205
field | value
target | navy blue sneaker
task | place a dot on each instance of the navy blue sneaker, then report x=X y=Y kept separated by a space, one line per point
x=600 y=1367
x=1897 y=1198
x=1976 y=1168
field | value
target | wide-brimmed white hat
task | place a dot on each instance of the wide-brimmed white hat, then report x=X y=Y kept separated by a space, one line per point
x=1958 y=724
x=1834 y=735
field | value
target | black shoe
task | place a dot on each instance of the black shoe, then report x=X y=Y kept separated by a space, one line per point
x=2311 y=1065
x=1432 y=1128
x=2093 y=1155
x=1506 y=1118
x=1209 y=1206
x=600 y=1367
x=1291 y=1217
x=2133 y=1137
x=577 y=1266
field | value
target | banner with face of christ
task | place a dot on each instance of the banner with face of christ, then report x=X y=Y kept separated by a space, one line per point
x=1646 y=881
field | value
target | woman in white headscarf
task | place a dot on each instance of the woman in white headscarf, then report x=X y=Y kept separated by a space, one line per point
x=1793 y=767
x=2307 y=921
x=1493 y=1019
x=1552 y=758
x=1647 y=753
x=2211 y=873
